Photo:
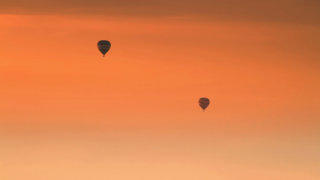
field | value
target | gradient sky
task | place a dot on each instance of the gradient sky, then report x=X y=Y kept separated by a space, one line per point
x=67 y=113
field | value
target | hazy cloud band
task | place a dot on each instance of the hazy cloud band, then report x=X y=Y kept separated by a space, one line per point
x=300 y=11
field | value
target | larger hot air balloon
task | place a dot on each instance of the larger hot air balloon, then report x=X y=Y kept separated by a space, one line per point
x=104 y=46
x=204 y=103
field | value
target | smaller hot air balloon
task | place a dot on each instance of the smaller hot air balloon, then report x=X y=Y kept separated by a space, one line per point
x=204 y=103
x=104 y=46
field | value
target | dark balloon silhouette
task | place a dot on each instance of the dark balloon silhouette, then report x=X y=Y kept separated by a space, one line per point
x=204 y=103
x=104 y=46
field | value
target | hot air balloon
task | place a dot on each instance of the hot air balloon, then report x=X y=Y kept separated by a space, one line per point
x=204 y=103
x=104 y=46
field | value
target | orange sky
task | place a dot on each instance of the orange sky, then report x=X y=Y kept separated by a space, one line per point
x=68 y=113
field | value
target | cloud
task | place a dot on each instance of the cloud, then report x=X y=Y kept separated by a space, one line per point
x=299 y=11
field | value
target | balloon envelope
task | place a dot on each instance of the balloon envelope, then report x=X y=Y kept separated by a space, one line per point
x=104 y=46
x=204 y=102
